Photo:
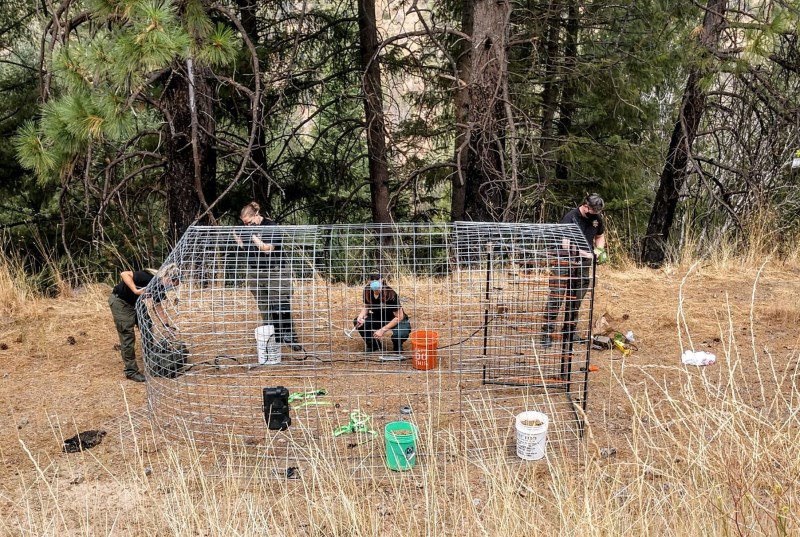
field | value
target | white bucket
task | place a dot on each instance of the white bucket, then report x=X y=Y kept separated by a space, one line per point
x=531 y=435
x=269 y=352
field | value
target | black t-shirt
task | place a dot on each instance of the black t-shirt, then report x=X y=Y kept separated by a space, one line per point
x=140 y=279
x=382 y=308
x=590 y=225
x=257 y=258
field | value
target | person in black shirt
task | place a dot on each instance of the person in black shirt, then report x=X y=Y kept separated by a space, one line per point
x=572 y=280
x=123 y=309
x=381 y=313
x=269 y=276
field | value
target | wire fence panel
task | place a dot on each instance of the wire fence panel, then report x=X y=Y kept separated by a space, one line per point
x=473 y=324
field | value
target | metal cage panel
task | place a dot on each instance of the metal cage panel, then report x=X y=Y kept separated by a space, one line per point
x=510 y=305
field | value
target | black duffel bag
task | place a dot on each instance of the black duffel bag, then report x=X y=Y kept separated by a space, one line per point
x=165 y=358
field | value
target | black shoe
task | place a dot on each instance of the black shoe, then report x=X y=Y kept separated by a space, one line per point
x=289 y=339
x=135 y=377
x=546 y=341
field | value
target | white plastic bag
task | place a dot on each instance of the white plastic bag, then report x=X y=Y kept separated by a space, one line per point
x=698 y=358
x=629 y=336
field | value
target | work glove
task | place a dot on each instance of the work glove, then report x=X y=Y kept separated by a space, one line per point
x=600 y=255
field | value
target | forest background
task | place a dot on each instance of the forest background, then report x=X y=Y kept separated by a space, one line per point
x=124 y=121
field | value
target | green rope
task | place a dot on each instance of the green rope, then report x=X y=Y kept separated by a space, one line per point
x=308 y=398
x=358 y=424
x=301 y=396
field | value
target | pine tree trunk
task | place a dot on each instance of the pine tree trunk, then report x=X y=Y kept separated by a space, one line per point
x=676 y=169
x=567 y=105
x=461 y=106
x=184 y=200
x=486 y=184
x=249 y=18
x=248 y=13
x=373 y=112
x=551 y=87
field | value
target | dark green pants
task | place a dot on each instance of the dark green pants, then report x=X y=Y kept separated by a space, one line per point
x=125 y=320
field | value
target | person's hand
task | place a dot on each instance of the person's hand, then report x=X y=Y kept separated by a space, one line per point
x=359 y=320
x=238 y=239
x=380 y=333
x=261 y=245
x=600 y=254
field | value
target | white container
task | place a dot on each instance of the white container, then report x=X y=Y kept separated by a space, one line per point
x=269 y=351
x=531 y=439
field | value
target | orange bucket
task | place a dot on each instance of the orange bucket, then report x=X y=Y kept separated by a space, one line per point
x=424 y=344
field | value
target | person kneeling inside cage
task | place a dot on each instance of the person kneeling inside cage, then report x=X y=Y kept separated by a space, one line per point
x=380 y=314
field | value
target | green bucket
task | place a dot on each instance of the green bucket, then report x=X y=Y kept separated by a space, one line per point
x=401 y=445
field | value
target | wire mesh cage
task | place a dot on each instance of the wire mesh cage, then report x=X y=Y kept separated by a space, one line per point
x=275 y=339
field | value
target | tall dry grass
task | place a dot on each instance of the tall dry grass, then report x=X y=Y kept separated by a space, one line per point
x=21 y=291
x=16 y=287
x=761 y=234
x=704 y=456
x=709 y=465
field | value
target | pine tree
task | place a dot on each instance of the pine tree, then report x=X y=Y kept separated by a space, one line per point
x=130 y=101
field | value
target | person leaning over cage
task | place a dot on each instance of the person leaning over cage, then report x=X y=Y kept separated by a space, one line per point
x=123 y=309
x=381 y=313
x=571 y=280
x=269 y=278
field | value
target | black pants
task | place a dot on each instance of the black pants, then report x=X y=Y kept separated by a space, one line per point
x=568 y=286
x=280 y=316
x=367 y=330
x=272 y=290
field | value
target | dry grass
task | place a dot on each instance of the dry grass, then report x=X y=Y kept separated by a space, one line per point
x=15 y=288
x=702 y=462
x=698 y=451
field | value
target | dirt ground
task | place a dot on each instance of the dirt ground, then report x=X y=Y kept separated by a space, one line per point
x=61 y=372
